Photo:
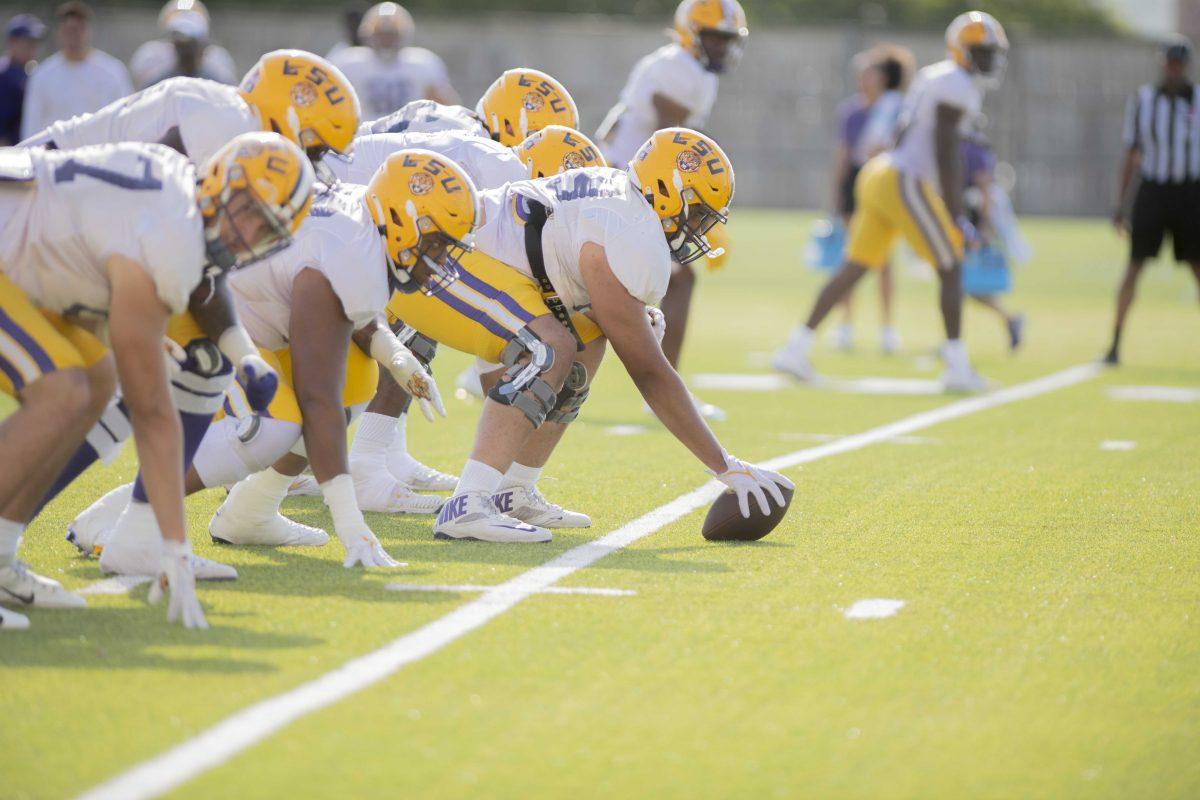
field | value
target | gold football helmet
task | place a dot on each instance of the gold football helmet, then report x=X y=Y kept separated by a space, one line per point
x=688 y=180
x=386 y=27
x=978 y=44
x=556 y=149
x=254 y=191
x=726 y=19
x=425 y=207
x=173 y=7
x=522 y=101
x=306 y=99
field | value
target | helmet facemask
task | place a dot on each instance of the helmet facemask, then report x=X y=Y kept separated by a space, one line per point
x=686 y=230
x=436 y=253
x=244 y=229
x=720 y=62
x=988 y=63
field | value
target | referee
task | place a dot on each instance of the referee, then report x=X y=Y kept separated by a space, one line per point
x=1162 y=136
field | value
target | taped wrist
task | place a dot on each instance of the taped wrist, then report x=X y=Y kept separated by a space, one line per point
x=421 y=345
x=385 y=347
x=572 y=396
x=235 y=343
x=343 y=505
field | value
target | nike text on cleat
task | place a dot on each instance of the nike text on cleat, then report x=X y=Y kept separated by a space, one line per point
x=21 y=586
x=474 y=515
x=530 y=506
x=89 y=531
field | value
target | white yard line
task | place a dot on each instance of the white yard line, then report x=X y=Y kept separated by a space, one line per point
x=471 y=587
x=251 y=725
x=874 y=608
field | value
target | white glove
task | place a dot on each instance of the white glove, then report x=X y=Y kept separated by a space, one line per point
x=747 y=479
x=177 y=576
x=361 y=545
x=408 y=373
x=658 y=322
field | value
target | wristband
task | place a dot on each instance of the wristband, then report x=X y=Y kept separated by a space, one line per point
x=173 y=549
x=235 y=344
x=343 y=505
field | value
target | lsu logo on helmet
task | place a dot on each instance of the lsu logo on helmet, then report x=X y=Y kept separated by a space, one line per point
x=522 y=101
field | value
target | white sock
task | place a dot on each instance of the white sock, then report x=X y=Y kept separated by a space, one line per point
x=262 y=493
x=801 y=338
x=521 y=475
x=955 y=353
x=374 y=435
x=400 y=442
x=10 y=540
x=478 y=477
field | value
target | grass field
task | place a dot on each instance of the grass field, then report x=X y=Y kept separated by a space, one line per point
x=1049 y=645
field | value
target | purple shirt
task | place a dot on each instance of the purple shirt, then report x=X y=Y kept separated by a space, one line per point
x=852 y=115
x=12 y=95
x=979 y=158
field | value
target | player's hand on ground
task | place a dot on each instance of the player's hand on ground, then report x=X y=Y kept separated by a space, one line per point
x=748 y=480
x=658 y=322
x=362 y=548
x=178 y=578
x=259 y=381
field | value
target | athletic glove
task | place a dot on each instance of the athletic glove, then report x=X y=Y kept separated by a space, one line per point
x=747 y=479
x=407 y=371
x=258 y=381
x=361 y=545
x=177 y=576
x=658 y=322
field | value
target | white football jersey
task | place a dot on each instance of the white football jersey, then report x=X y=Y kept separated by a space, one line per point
x=488 y=164
x=207 y=114
x=85 y=206
x=427 y=116
x=943 y=83
x=155 y=59
x=339 y=240
x=672 y=72
x=594 y=204
x=384 y=85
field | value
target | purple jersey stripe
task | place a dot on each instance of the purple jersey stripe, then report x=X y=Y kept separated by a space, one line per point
x=35 y=351
x=491 y=292
x=14 y=377
x=483 y=319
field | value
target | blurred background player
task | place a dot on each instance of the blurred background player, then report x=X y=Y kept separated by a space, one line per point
x=1162 y=138
x=897 y=196
x=676 y=86
x=75 y=80
x=183 y=49
x=23 y=38
x=386 y=70
x=104 y=245
x=352 y=16
x=986 y=268
x=866 y=128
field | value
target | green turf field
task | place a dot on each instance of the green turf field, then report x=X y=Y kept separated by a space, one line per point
x=1049 y=645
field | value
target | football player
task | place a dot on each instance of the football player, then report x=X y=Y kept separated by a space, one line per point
x=676 y=85
x=289 y=91
x=897 y=194
x=565 y=264
x=387 y=71
x=379 y=454
x=104 y=244
x=303 y=307
x=517 y=103
x=157 y=58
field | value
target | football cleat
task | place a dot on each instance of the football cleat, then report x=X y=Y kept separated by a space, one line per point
x=1016 y=331
x=89 y=531
x=529 y=505
x=889 y=341
x=842 y=338
x=474 y=515
x=304 y=486
x=378 y=490
x=793 y=361
x=234 y=524
x=468 y=384
x=415 y=475
x=21 y=586
x=135 y=548
x=708 y=410
x=963 y=381
x=12 y=621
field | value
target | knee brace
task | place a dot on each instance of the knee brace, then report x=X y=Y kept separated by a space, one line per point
x=522 y=385
x=570 y=399
x=421 y=345
x=234 y=448
x=203 y=378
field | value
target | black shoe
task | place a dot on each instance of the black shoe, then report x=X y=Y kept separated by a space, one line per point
x=1112 y=359
x=1016 y=330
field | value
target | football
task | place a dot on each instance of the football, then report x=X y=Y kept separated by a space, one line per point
x=725 y=523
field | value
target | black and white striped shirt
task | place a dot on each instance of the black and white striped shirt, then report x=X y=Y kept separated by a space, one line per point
x=1165 y=128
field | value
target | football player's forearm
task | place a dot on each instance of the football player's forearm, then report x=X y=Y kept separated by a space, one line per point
x=668 y=398
x=158 y=437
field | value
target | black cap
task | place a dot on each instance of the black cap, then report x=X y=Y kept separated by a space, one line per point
x=1177 y=48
